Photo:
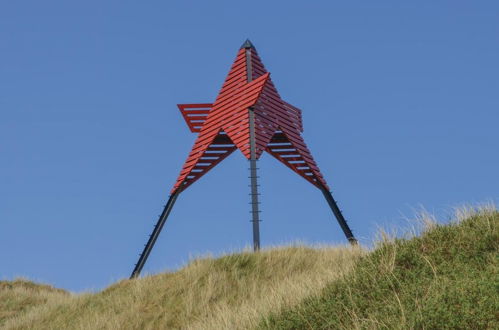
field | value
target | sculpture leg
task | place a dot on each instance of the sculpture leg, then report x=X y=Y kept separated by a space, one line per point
x=339 y=216
x=154 y=236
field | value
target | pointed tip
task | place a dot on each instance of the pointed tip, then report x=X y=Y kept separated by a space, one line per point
x=247 y=45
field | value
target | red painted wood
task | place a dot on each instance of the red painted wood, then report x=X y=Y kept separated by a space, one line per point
x=225 y=124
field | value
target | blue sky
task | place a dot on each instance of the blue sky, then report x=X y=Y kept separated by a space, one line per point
x=400 y=105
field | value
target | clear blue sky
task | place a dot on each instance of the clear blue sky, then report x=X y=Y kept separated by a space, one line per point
x=400 y=105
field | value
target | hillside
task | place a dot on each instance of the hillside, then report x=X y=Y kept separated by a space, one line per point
x=19 y=296
x=446 y=277
x=208 y=293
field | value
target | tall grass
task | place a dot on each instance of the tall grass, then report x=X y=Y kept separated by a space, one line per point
x=438 y=276
x=231 y=292
x=19 y=296
x=445 y=278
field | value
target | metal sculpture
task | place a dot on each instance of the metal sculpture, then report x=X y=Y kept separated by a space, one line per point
x=249 y=115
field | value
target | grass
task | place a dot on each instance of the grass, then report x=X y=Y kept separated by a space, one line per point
x=19 y=296
x=230 y=292
x=444 y=277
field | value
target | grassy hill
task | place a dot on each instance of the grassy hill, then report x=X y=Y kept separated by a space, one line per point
x=231 y=292
x=19 y=296
x=446 y=277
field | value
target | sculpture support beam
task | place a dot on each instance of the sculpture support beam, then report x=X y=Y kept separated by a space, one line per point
x=154 y=235
x=255 y=212
x=339 y=216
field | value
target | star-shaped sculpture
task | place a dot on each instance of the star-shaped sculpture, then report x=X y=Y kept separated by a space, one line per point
x=249 y=115
x=224 y=125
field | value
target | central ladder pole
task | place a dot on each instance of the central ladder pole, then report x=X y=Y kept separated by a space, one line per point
x=255 y=212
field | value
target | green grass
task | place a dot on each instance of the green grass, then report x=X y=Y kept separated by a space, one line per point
x=444 y=279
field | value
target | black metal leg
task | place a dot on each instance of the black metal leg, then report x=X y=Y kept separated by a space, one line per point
x=339 y=216
x=154 y=236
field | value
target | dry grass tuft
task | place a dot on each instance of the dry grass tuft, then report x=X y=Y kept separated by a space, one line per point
x=20 y=296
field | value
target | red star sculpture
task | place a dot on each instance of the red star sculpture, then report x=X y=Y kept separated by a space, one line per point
x=248 y=114
x=224 y=125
